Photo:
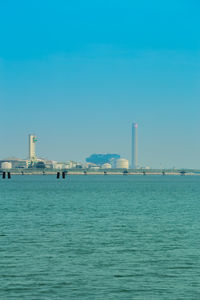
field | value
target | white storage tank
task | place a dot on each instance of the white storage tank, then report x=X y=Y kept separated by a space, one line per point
x=6 y=165
x=121 y=163
x=106 y=166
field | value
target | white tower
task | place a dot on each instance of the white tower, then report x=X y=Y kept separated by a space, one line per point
x=32 y=140
x=134 y=160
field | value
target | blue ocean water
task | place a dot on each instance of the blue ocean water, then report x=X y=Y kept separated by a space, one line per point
x=100 y=237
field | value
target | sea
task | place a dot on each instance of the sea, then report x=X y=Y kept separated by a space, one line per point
x=100 y=237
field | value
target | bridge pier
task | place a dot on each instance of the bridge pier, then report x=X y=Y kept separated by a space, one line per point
x=59 y=174
x=4 y=175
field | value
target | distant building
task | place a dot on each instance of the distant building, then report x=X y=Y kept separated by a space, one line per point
x=32 y=141
x=16 y=163
x=94 y=168
x=48 y=164
x=40 y=165
x=66 y=165
x=106 y=166
x=6 y=165
x=57 y=165
x=121 y=163
x=89 y=165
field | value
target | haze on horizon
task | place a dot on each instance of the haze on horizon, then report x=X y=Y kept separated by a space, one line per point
x=78 y=73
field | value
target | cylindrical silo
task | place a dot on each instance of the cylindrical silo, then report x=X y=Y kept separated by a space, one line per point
x=6 y=165
x=121 y=163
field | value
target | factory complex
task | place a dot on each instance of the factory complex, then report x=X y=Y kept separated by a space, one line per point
x=94 y=162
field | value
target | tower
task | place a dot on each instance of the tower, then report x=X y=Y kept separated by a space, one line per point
x=32 y=140
x=134 y=152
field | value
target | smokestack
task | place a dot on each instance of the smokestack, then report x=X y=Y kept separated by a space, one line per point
x=134 y=163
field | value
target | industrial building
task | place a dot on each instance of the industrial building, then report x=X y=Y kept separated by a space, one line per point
x=6 y=165
x=32 y=141
x=14 y=163
x=106 y=166
x=121 y=163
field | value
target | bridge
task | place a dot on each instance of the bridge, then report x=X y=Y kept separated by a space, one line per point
x=63 y=172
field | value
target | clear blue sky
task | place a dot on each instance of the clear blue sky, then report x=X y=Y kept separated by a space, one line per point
x=77 y=73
